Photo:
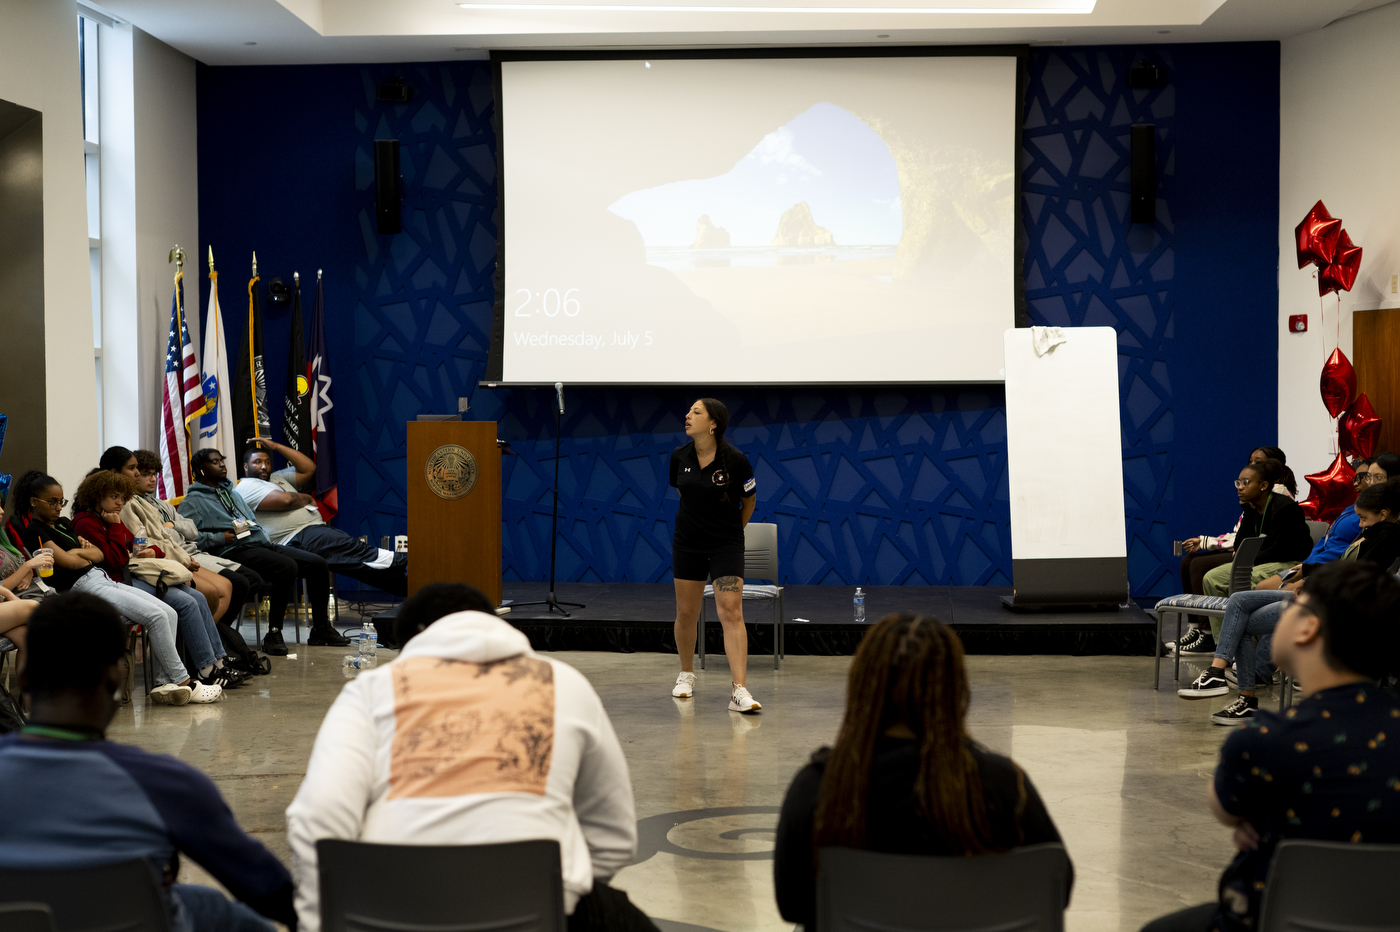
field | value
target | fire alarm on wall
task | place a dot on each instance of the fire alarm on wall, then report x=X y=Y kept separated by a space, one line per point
x=1298 y=323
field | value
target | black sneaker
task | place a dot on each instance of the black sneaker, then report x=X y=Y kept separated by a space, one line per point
x=1188 y=638
x=1241 y=710
x=1202 y=643
x=1210 y=683
x=224 y=678
x=326 y=636
x=272 y=643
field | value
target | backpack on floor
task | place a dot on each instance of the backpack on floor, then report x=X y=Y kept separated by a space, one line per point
x=242 y=658
x=11 y=715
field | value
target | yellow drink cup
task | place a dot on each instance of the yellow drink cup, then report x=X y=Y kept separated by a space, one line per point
x=45 y=571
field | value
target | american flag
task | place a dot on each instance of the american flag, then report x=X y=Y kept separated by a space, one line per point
x=182 y=400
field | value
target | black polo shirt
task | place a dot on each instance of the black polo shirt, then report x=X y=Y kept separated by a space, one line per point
x=705 y=523
x=1327 y=769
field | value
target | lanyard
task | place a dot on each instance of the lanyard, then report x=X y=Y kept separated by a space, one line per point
x=227 y=499
x=63 y=734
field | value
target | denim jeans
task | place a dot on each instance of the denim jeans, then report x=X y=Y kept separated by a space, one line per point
x=141 y=608
x=204 y=909
x=1249 y=614
x=195 y=620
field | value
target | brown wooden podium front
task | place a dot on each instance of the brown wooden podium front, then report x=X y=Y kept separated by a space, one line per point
x=454 y=505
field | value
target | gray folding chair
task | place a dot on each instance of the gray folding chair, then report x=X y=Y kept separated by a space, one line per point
x=1318 y=530
x=512 y=887
x=1241 y=570
x=120 y=897
x=26 y=917
x=760 y=562
x=1023 y=890
x=1331 y=886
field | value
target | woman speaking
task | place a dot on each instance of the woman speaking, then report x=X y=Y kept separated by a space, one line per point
x=717 y=498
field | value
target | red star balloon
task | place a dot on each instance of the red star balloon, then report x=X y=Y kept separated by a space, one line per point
x=1340 y=274
x=1317 y=236
x=1331 y=491
x=1338 y=382
x=1359 y=428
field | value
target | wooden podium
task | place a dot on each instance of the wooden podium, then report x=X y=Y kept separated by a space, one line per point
x=454 y=505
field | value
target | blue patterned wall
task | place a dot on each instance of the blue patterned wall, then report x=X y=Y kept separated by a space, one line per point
x=884 y=485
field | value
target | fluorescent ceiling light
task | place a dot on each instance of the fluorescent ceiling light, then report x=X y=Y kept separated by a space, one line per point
x=1082 y=7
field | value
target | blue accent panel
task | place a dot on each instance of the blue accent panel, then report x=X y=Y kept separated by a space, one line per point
x=879 y=485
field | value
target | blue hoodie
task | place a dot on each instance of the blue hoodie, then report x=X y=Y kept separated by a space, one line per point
x=1340 y=535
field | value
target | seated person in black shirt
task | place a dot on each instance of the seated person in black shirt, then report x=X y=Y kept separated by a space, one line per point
x=1324 y=769
x=906 y=706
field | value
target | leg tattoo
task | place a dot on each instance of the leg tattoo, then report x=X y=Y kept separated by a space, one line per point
x=729 y=584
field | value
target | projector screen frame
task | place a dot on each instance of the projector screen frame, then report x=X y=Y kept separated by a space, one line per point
x=495 y=354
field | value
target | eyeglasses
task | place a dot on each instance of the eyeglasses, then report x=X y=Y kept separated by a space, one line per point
x=1291 y=599
x=1241 y=483
x=55 y=502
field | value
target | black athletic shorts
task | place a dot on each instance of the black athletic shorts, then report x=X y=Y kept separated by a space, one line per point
x=706 y=566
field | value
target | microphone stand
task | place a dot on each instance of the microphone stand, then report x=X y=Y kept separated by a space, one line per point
x=554 y=604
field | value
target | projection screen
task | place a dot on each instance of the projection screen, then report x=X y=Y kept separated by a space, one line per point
x=752 y=220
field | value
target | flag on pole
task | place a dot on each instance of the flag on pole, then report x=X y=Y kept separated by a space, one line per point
x=216 y=423
x=249 y=386
x=182 y=400
x=322 y=427
x=296 y=419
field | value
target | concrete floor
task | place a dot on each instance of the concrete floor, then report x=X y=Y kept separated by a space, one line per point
x=1122 y=769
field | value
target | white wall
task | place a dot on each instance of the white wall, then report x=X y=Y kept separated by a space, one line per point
x=1339 y=140
x=167 y=209
x=39 y=69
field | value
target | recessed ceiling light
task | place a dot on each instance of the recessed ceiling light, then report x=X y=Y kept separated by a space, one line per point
x=250 y=43
x=1079 y=7
x=883 y=36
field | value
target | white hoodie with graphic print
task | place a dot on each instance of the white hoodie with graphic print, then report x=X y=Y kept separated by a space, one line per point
x=468 y=737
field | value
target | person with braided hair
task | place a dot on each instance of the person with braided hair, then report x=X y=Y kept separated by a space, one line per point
x=904 y=777
x=716 y=484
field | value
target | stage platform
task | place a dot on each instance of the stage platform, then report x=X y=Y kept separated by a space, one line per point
x=638 y=617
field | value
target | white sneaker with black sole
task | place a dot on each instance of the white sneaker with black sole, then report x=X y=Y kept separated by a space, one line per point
x=741 y=701
x=685 y=686
x=1210 y=683
x=1241 y=710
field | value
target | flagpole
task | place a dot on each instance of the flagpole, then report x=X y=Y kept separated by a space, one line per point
x=252 y=366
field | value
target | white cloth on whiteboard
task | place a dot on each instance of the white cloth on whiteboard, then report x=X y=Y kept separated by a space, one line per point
x=1044 y=339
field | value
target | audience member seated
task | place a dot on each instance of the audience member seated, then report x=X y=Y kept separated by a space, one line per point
x=904 y=777
x=376 y=773
x=38 y=505
x=291 y=518
x=242 y=580
x=1255 y=613
x=74 y=799
x=1272 y=515
x=143 y=520
x=228 y=529
x=97 y=509
x=20 y=591
x=1286 y=483
x=1323 y=769
x=1340 y=533
x=1204 y=553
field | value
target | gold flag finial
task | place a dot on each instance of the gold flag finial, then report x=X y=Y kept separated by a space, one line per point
x=255 y=263
x=296 y=277
x=211 y=260
x=177 y=256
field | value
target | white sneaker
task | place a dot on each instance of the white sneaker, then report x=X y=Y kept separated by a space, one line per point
x=203 y=692
x=170 y=694
x=741 y=701
x=685 y=686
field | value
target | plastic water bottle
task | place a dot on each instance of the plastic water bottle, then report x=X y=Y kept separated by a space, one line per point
x=371 y=640
x=350 y=666
x=860 y=606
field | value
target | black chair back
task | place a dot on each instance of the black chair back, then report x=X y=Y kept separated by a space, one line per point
x=512 y=887
x=26 y=917
x=1242 y=568
x=1023 y=890
x=1331 y=886
x=121 y=897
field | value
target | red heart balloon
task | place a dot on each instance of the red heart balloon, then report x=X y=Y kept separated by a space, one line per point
x=1359 y=428
x=1340 y=274
x=1331 y=491
x=1338 y=382
x=1317 y=236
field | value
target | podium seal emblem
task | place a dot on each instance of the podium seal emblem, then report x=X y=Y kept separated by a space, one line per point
x=451 y=472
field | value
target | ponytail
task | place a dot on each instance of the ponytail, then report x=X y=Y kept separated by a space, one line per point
x=25 y=489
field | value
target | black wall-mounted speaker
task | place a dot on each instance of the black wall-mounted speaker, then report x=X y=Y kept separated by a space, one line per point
x=388 y=193
x=1146 y=76
x=1143 y=198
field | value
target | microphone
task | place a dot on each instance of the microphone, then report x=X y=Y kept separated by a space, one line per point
x=559 y=390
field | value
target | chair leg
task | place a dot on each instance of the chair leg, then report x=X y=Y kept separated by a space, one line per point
x=1176 y=673
x=147 y=674
x=1157 y=653
x=303 y=605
